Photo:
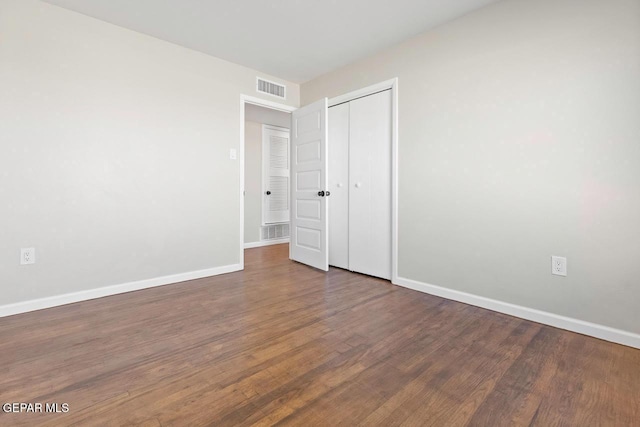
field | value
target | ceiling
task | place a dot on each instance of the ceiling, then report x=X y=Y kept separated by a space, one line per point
x=296 y=40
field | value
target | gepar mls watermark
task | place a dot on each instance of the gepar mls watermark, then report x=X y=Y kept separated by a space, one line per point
x=35 y=407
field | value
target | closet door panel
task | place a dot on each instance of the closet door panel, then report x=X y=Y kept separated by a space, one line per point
x=370 y=185
x=338 y=176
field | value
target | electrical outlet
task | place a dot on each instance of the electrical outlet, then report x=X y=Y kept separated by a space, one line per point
x=27 y=256
x=233 y=154
x=558 y=265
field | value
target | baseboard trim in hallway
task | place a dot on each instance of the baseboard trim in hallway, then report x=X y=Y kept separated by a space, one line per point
x=263 y=243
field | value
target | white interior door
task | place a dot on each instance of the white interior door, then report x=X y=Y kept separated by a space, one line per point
x=338 y=177
x=370 y=185
x=309 y=220
x=275 y=169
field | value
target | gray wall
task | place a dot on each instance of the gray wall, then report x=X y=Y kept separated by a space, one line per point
x=268 y=116
x=252 y=181
x=519 y=139
x=114 y=154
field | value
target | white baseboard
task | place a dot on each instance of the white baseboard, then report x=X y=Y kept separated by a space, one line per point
x=586 y=328
x=41 y=303
x=265 y=243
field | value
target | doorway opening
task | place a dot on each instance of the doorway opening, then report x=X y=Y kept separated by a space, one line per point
x=265 y=182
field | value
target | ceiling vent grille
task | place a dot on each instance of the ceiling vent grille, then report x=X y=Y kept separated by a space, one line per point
x=271 y=88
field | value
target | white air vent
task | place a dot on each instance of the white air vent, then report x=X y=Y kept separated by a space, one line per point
x=274 y=231
x=271 y=88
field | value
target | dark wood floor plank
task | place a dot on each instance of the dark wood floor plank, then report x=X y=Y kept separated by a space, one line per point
x=282 y=343
x=517 y=396
x=448 y=390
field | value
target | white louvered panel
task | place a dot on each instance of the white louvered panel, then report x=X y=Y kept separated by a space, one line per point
x=275 y=208
x=279 y=152
x=279 y=199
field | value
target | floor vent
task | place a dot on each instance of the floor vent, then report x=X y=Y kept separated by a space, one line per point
x=271 y=88
x=274 y=231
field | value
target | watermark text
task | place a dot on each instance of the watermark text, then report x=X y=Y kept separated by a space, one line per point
x=35 y=407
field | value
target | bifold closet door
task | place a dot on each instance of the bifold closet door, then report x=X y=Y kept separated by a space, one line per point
x=338 y=177
x=370 y=185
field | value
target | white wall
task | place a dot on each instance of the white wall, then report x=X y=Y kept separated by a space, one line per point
x=268 y=116
x=114 y=154
x=519 y=136
x=252 y=181
x=255 y=117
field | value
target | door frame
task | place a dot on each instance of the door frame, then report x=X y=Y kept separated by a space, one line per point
x=244 y=100
x=370 y=90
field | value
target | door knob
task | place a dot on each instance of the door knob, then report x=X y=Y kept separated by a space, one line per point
x=328 y=193
x=321 y=193
x=268 y=193
x=358 y=184
x=339 y=185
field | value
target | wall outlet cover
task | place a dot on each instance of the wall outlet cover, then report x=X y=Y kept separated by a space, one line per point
x=558 y=265
x=27 y=256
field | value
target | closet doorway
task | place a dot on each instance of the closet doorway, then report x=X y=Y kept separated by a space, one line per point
x=344 y=182
x=360 y=185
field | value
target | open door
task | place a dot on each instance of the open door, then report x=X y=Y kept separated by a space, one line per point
x=309 y=220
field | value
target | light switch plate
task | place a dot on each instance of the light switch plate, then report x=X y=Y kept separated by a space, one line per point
x=233 y=154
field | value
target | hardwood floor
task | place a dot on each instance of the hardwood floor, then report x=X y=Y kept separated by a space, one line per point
x=281 y=343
